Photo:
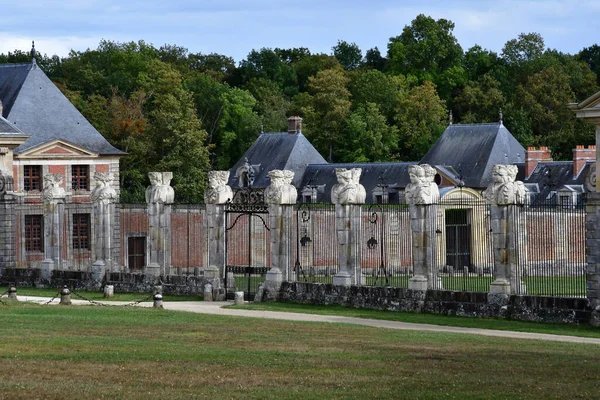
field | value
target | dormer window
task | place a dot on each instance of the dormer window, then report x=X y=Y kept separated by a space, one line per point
x=32 y=177
x=80 y=177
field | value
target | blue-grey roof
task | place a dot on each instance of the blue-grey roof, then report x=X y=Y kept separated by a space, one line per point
x=278 y=151
x=394 y=175
x=473 y=149
x=6 y=128
x=550 y=176
x=38 y=108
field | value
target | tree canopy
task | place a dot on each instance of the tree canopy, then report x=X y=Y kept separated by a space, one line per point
x=188 y=112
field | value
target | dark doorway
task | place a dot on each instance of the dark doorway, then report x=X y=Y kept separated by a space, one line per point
x=458 y=239
x=136 y=253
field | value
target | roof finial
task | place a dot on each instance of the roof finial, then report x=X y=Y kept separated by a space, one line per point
x=450 y=118
x=500 y=116
x=33 y=52
x=262 y=129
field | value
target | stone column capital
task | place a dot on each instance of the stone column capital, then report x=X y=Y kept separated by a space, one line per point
x=218 y=192
x=281 y=191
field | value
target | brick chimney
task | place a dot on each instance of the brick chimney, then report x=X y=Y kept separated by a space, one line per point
x=533 y=156
x=580 y=156
x=294 y=125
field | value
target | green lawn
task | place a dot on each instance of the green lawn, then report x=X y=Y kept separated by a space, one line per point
x=133 y=353
x=96 y=295
x=434 y=319
x=535 y=285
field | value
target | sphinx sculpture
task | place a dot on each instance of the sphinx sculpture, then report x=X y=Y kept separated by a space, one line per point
x=504 y=190
x=160 y=190
x=281 y=191
x=422 y=189
x=52 y=189
x=218 y=192
x=103 y=192
x=348 y=190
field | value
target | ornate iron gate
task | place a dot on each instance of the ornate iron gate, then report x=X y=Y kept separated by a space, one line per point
x=247 y=253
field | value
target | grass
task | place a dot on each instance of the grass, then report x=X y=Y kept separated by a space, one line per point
x=434 y=319
x=96 y=295
x=535 y=285
x=134 y=353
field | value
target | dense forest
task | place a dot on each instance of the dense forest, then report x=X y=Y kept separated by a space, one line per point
x=173 y=110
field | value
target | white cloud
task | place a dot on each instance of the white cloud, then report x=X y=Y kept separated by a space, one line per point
x=60 y=46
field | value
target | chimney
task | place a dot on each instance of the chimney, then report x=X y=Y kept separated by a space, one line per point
x=580 y=156
x=533 y=156
x=294 y=125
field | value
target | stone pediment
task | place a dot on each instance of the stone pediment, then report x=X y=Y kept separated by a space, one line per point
x=588 y=109
x=58 y=149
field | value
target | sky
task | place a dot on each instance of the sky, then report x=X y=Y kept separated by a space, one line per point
x=235 y=27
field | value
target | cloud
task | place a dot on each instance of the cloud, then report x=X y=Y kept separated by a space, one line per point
x=60 y=46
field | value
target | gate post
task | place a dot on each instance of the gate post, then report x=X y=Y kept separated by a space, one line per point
x=281 y=197
x=7 y=214
x=160 y=197
x=422 y=195
x=348 y=195
x=505 y=195
x=103 y=197
x=216 y=195
x=53 y=196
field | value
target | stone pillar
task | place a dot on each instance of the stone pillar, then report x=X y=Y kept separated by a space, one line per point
x=7 y=214
x=422 y=195
x=347 y=195
x=592 y=247
x=103 y=197
x=216 y=195
x=281 y=197
x=160 y=197
x=506 y=198
x=53 y=196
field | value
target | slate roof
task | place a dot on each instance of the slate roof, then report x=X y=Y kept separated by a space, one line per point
x=6 y=128
x=473 y=149
x=37 y=107
x=549 y=177
x=278 y=151
x=395 y=175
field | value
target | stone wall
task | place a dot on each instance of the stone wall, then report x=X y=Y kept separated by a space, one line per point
x=464 y=304
x=123 y=282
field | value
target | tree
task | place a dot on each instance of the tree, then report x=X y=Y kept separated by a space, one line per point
x=426 y=49
x=368 y=136
x=374 y=59
x=591 y=56
x=177 y=141
x=216 y=65
x=328 y=109
x=265 y=63
x=479 y=101
x=310 y=65
x=421 y=118
x=271 y=105
x=373 y=86
x=348 y=55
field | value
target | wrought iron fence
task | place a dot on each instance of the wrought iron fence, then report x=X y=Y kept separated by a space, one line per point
x=316 y=245
x=551 y=248
x=386 y=245
x=463 y=248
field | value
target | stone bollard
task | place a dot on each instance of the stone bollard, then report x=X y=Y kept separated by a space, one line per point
x=65 y=296
x=230 y=281
x=109 y=291
x=12 y=293
x=158 y=300
x=239 y=298
x=208 y=292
